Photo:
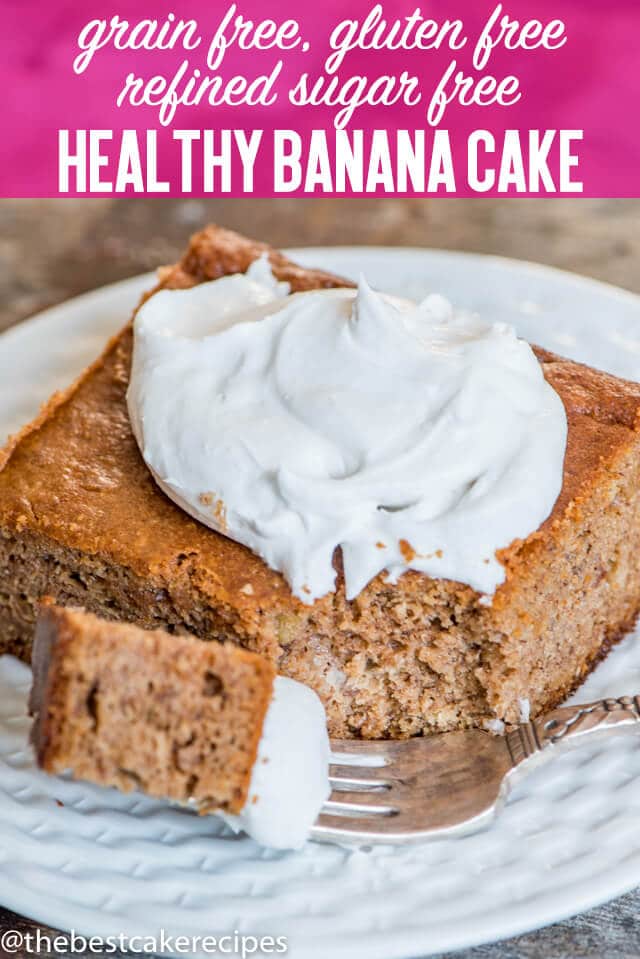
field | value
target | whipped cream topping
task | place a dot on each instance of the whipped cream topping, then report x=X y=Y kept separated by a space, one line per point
x=411 y=436
x=290 y=778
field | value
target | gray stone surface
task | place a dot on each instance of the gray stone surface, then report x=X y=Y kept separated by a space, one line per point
x=53 y=249
x=610 y=932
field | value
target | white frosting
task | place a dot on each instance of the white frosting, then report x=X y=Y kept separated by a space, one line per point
x=290 y=779
x=525 y=710
x=495 y=726
x=409 y=435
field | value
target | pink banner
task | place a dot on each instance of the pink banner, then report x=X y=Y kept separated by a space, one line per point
x=450 y=98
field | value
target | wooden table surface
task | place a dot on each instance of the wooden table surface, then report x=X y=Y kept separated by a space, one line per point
x=53 y=249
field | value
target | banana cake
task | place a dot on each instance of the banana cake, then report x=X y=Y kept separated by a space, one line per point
x=133 y=708
x=82 y=519
x=208 y=725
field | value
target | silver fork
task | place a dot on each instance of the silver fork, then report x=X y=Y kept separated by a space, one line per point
x=452 y=783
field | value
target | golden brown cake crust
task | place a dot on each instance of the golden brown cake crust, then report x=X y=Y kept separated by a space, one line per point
x=89 y=444
x=82 y=518
x=120 y=706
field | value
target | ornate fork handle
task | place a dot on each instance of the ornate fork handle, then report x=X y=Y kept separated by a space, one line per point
x=568 y=724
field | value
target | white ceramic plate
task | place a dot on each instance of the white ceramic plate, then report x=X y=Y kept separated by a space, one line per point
x=80 y=857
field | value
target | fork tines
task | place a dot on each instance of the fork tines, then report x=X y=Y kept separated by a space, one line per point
x=361 y=792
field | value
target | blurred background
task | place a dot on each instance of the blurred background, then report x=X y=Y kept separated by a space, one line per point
x=51 y=250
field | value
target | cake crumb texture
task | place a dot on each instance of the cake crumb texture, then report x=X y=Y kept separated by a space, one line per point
x=168 y=715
